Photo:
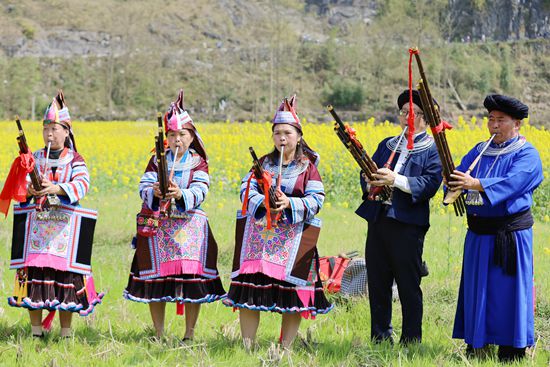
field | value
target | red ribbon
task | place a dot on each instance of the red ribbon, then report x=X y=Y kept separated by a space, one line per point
x=265 y=184
x=15 y=187
x=443 y=125
x=353 y=136
x=48 y=320
x=180 y=308
x=410 y=120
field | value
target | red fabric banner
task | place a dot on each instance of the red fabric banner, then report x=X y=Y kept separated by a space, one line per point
x=15 y=187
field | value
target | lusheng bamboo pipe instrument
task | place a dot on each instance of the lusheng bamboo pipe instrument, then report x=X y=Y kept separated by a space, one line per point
x=43 y=202
x=24 y=148
x=167 y=206
x=354 y=146
x=265 y=177
x=259 y=173
x=431 y=113
x=162 y=167
x=161 y=157
x=452 y=195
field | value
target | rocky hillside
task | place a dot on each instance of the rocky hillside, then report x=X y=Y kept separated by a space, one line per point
x=499 y=20
x=120 y=59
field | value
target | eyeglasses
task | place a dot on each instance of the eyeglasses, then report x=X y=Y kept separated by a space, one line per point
x=406 y=113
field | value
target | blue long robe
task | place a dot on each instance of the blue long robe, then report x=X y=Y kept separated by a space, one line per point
x=494 y=307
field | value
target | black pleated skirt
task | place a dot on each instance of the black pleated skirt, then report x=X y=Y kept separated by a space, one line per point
x=50 y=289
x=177 y=288
x=263 y=293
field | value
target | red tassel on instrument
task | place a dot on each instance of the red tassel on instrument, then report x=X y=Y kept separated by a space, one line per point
x=353 y=136
x=48 y=320
x=265 y=183
x=443 y=125
x=180 y=308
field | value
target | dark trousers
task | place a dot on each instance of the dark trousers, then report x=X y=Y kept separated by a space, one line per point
x=394 y=251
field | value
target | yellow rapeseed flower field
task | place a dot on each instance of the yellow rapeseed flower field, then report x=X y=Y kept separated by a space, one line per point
x=117 y=152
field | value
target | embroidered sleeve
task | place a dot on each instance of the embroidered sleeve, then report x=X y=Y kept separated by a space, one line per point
x=304 y=208
x=79 y=182
x=146 y=185
x=193 y=196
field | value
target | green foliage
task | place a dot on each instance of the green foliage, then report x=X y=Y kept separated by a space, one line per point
x=318 y=58
x=29 y=32
x=505 y=78
x=21 y=78
x=344 y=94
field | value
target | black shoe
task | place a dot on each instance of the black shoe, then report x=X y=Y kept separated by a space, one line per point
x=508 y=354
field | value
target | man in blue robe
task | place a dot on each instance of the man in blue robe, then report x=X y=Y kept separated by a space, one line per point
x=397 y=227
x=495 y=302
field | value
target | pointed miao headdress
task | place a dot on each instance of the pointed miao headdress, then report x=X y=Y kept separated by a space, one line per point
x=177 y=118
x=286 y=114
x=57 y=112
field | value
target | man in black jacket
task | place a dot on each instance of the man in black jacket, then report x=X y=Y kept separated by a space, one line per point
x=397 y=227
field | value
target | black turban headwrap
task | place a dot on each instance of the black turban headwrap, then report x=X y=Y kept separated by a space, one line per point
x=508 y=105
x=404 y=98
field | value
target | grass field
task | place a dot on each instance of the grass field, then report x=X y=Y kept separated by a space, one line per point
x=120 y=332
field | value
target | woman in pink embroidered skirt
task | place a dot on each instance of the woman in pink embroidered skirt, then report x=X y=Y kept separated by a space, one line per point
x=276 y=264
x=52 y=238
x=176 y=253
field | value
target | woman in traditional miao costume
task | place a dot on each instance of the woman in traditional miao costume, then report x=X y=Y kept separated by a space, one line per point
x=275 y=264
x=176 y=253
x=53 y=236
